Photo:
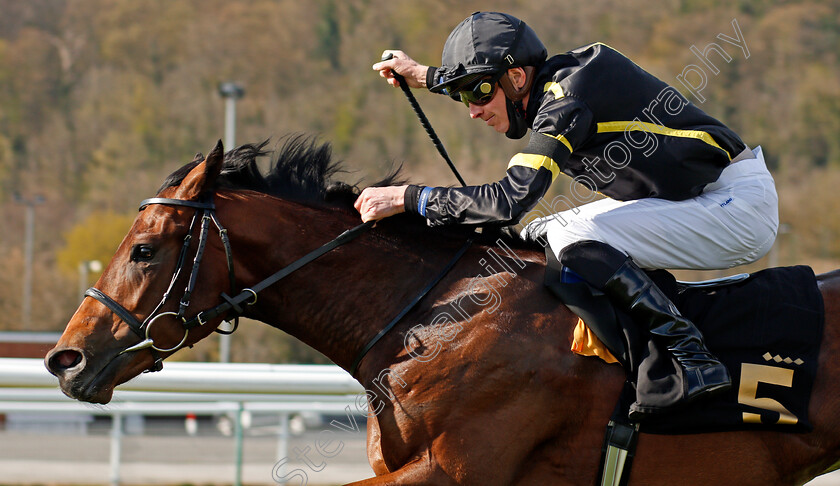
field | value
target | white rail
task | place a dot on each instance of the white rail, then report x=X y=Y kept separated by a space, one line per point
x=205 y=377
x=199 y=388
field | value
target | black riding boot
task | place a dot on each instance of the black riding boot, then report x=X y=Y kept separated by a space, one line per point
x=704 y=375
x=630 y=288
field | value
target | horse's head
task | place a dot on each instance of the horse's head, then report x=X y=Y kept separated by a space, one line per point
x=135 y=315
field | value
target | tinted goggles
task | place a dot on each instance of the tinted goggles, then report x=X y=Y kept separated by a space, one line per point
x=478 y=92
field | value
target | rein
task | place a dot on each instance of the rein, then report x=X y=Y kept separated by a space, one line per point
x=247 y=296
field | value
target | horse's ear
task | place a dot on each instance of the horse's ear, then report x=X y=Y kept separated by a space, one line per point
x=203 y=177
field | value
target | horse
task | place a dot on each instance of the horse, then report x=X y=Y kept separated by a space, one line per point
x=475 y=384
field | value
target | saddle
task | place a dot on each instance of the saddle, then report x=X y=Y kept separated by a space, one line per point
x=766 y=327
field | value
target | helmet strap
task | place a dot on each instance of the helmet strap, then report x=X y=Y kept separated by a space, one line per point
x=514 y=93
x=517 y=115
x=517 y=119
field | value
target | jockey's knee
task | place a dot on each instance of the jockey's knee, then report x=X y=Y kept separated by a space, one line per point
x=594 y=261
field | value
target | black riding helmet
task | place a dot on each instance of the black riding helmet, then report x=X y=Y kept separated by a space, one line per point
x=490 y=43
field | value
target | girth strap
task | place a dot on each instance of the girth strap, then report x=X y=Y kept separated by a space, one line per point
x=410 y=306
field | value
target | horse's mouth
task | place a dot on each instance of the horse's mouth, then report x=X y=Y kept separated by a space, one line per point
x=91 y=393
x=98 y=387
x=90 y=387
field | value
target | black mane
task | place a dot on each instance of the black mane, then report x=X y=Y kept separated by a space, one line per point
x=302 y=170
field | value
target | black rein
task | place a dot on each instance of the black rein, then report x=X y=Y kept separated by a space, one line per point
x=247 y=296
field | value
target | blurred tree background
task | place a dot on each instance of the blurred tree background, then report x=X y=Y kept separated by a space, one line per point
x=101 y=99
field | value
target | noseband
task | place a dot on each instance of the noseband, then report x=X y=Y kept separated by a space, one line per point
x=143 y=329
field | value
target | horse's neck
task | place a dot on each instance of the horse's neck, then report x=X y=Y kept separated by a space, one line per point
x=337 y=303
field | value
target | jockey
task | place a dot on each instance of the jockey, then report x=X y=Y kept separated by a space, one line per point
x=683 y=191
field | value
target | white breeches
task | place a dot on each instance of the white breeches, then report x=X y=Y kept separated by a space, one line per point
x=733 y=222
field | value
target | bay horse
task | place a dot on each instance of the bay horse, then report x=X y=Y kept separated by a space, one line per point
x=474 y=385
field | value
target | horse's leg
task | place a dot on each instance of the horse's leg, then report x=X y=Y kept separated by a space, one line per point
x=374 y=444
x=421 y=472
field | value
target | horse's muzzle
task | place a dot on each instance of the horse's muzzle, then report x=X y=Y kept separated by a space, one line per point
x=68 y=365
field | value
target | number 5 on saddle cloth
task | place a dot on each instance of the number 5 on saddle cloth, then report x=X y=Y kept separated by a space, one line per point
x=765 y=327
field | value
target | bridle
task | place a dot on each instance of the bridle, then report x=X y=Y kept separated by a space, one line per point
x=246 y=296
x=143 y=329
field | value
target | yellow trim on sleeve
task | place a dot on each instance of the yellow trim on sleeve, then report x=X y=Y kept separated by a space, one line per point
x=562 y=140
x=565 y=142
x=555 y=88
x=535 y=161
x=620 y=126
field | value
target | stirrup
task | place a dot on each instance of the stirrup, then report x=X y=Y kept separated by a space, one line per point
x=617 y=453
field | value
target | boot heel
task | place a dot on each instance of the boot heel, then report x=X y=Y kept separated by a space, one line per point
x=706 y=382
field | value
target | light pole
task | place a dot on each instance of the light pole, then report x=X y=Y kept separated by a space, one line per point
x=85 y=267
x=231 y=92
x=26 y=304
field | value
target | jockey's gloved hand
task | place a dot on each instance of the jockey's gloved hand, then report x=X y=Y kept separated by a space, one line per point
x=535 y=231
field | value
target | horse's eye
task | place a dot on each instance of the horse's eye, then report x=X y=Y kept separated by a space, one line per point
x=142 y=253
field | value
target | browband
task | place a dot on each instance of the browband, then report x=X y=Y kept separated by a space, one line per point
x=176 y=202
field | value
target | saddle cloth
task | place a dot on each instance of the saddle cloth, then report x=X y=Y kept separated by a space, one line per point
x=766 y=329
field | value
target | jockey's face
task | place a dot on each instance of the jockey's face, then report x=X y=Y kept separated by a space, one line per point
x=494 y=113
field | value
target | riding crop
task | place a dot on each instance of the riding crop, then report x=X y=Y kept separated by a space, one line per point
x=424 y=121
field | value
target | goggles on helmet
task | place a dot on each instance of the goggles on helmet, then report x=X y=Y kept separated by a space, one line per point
x=478 y=92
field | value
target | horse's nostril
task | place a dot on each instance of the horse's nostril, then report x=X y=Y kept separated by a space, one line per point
x=64 y=360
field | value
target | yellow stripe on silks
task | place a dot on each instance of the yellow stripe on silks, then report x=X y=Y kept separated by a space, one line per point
x=562 y=140
x=620 y=126
x=565 y=142
x=535 y=161
x=554 y=88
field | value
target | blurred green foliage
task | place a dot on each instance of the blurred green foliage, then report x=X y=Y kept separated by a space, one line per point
x=95 y=238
